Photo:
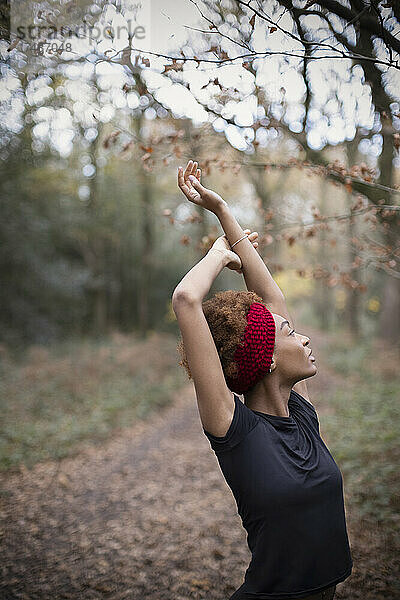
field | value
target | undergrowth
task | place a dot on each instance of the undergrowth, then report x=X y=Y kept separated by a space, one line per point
x=53 y=400
x=364 y=426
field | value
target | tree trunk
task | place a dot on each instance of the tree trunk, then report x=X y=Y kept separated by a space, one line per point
x=390 y=306
x=324 y=294
x=353 y=295
x=147 y=248
x=390 y=313
x=96 y=251
x=148 y=242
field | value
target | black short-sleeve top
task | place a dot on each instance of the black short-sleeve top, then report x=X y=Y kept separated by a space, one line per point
x=289 y=494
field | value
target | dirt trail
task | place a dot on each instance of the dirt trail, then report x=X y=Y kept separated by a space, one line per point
x=147 y=515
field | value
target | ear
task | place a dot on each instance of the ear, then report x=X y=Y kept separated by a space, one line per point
x=273 y=365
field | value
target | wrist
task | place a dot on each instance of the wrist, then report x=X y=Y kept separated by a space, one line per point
x=221 y=254
x=221 y=207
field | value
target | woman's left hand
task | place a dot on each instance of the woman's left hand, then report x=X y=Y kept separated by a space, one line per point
x=222 y=245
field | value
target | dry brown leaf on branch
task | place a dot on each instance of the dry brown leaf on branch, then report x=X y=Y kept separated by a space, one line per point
x=174 y=67
x=127 y=146
x=148 y=165
x=359 y=203
x=223 y=55
x=332 y=281
x=222 y=165
x=177 y=151
x=348 y=186
x=236 y=168
x=357 y=261
x=267 y=239
x=371 y=218
x=194 y=218
x=147 y=149
x=111 y=139
x=315 y=212
x=252 y=21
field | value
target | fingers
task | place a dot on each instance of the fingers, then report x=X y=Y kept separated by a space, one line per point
x=181 y=182
x=194 y=169
x=196 y=184
x=188 y=170
x=252 y=236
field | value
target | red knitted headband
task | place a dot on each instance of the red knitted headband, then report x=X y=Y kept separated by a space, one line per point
x=254 y=355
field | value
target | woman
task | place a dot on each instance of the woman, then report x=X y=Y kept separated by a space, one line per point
x=287 y=486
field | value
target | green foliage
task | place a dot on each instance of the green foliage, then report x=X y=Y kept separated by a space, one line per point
x=349 y=360
x=363 y=431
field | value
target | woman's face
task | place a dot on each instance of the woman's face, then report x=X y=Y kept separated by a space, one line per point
x=292 y=352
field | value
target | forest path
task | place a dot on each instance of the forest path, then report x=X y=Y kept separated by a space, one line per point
x=148 y=515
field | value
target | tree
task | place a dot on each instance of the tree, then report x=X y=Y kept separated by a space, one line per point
x=359 y=35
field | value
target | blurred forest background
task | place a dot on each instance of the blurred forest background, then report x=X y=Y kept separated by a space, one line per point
x=293 y=111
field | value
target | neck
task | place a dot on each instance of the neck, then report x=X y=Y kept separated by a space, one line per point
x=270 y=396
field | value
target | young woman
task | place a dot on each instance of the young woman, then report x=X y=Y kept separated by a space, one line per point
x=287 y=486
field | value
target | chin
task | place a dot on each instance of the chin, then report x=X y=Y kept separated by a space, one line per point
x=312 y=371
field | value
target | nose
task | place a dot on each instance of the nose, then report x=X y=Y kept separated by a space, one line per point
x=305 y=340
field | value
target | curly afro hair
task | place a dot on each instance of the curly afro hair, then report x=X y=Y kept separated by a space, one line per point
x=226 y=315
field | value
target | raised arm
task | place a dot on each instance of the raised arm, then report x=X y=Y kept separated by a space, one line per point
x=256 y=273
x=214 y=400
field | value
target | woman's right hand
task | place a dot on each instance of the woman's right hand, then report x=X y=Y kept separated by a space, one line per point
x=189 y=183
x=222 y=245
